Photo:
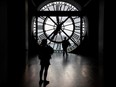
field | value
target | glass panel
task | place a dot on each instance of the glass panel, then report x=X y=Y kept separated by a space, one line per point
x=49 y=25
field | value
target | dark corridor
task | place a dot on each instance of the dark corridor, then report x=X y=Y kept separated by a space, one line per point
x=19 y=65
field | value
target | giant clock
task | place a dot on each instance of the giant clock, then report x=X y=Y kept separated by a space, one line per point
x=55 y=28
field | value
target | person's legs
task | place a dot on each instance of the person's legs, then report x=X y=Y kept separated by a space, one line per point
x=46 y=72
x=63 y=52
x=41 y=72
x=66 y=52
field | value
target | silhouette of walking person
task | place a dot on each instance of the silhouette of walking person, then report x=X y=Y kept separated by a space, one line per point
x=65 y=44
x=45 y=52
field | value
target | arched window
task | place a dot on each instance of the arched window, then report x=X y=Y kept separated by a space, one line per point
x=58 y=19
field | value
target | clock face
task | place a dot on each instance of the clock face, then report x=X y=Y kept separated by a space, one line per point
x=55 y=28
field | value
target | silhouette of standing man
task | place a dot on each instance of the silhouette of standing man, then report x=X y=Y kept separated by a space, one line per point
x=45 y=52
x=65 y=44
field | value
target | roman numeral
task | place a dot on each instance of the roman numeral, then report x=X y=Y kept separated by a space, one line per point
x=42 y=36
x=71 y=48
x=75 y=38
x=57 y=7
x=42 y=17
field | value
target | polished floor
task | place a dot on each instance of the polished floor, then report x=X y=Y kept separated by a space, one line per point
x=73 y=71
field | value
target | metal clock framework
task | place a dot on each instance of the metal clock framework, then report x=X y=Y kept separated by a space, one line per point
x=55 y=20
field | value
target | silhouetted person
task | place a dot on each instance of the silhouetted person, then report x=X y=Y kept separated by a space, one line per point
x=45 y=52
x=65 y=44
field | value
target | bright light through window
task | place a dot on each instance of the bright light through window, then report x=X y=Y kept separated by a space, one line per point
x=55 y=28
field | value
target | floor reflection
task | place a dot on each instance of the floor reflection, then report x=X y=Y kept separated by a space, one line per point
x=71 y=71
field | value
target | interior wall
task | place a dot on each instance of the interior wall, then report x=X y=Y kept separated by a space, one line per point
x=16 y=41
x=101 y=41
x=89 y=46
x=3 y=42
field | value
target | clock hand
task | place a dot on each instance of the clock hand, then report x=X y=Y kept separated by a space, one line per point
x=57 y=18
x=56 y=31
x=64 y=20
x=58 y=28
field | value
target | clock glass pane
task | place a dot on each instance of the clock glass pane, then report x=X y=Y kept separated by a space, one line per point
x=55 y=28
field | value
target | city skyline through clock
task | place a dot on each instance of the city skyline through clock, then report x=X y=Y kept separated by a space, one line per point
x=55 y=28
